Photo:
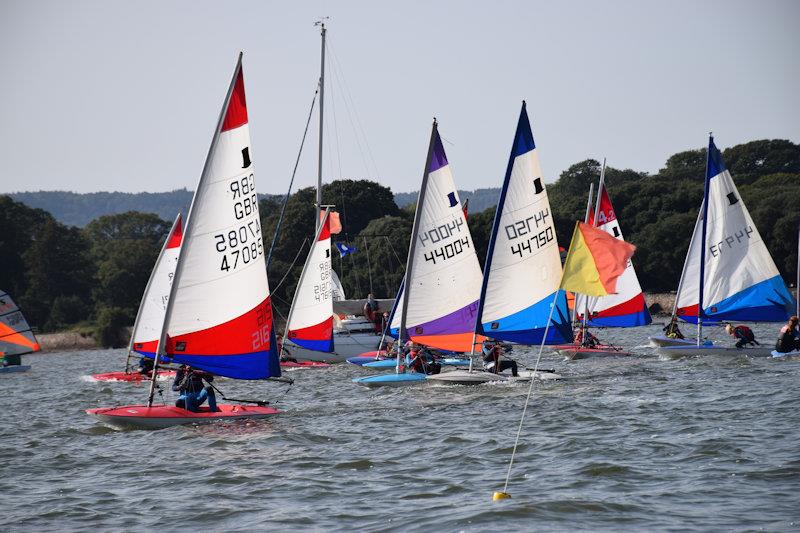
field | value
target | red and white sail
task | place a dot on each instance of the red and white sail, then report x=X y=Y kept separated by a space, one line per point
x=220 y=316
x=310 y=323
x=627 y=307
x=150 y=317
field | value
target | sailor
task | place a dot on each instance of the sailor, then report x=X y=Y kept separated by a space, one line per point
x=671 y=330
x=585 y=339
x=742 y=334
x=789 y=339
x=492 y=351
x=189 y=382
x=372 y=312
x=422 y=361
x=145 y=366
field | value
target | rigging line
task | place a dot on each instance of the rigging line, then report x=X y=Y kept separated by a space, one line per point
x=332 y=100
x=348 y=94
x=289 y=270
x=530 y=388
x=392 y=249
x=291 y=182
x=369 y=265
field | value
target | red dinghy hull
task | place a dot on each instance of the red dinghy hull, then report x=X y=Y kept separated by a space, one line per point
x=133 y=377
x=572 y=351
x=303 y=364
x=164 y=416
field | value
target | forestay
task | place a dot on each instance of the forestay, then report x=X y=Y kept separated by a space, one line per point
x=523 y=264
x=150 y=318
x=443 y=275
x=310 y=322
x=741 y=281
x=220 y=316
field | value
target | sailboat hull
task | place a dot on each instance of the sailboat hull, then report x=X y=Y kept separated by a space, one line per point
x=345 y=347
x=164 y=416
x=367 y=357
x=132 y=377
x=710 y=349
x=13 y=369
x=465 y=377
x=392 y=380
x=572 y=352
x=666 y=341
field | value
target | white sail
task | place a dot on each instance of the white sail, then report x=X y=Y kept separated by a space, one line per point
x=150 y=317
x=444 y=284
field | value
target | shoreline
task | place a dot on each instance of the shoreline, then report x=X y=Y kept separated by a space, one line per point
x=659 y=304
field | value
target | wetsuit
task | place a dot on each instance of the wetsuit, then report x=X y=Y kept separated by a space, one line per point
x=193 y=392
x=789 y=340
x=492 y=363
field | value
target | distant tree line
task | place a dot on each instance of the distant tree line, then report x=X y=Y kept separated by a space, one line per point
x=63 y=276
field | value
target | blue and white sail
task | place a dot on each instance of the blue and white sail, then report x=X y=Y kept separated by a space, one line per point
x=730 y=262
x=523 y=264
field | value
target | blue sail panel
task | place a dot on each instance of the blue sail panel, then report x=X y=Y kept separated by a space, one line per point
x=528 y=326
x=768 y=301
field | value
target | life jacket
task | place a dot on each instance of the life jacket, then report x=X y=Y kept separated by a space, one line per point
x=744 y=333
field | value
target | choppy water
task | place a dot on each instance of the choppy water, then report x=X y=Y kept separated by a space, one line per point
x=636 y=444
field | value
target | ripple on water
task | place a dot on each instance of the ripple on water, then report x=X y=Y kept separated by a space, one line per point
x=640 y=444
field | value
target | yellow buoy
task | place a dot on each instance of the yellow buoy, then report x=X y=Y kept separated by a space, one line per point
x=500 y=496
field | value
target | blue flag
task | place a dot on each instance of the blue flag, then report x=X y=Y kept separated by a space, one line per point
x=345 y=249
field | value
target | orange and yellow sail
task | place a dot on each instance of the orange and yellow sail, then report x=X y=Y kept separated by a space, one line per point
x=594 y=262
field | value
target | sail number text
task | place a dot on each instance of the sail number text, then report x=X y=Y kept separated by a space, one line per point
x=438 y=234
x=527 y=230
x=730 y=241
x=239 y=246
x=324 y=289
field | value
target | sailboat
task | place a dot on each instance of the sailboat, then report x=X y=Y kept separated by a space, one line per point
x=523 y=265
x=16 y=336
x=728 y=274
x=150 y=316
x=350 y=337
x=627 y=308
x=443 y=278
x=219 y=314
x=309 y=325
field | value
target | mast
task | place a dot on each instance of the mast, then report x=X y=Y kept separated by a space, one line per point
x=321 y=117
x=703 y=242
x=413 y=245
x=188 y=230
x=797 y=281
x=586 y=298
x=600 y=187
x=586 y=221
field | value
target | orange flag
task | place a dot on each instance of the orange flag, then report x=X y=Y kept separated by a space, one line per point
x=594 y=262
x=336 y=225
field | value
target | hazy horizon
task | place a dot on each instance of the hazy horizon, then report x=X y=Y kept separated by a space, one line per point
x=115 y=96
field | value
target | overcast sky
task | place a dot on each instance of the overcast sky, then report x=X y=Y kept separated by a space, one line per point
x=124 y=96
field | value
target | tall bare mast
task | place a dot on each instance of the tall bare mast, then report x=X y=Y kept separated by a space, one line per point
x=321 y=23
